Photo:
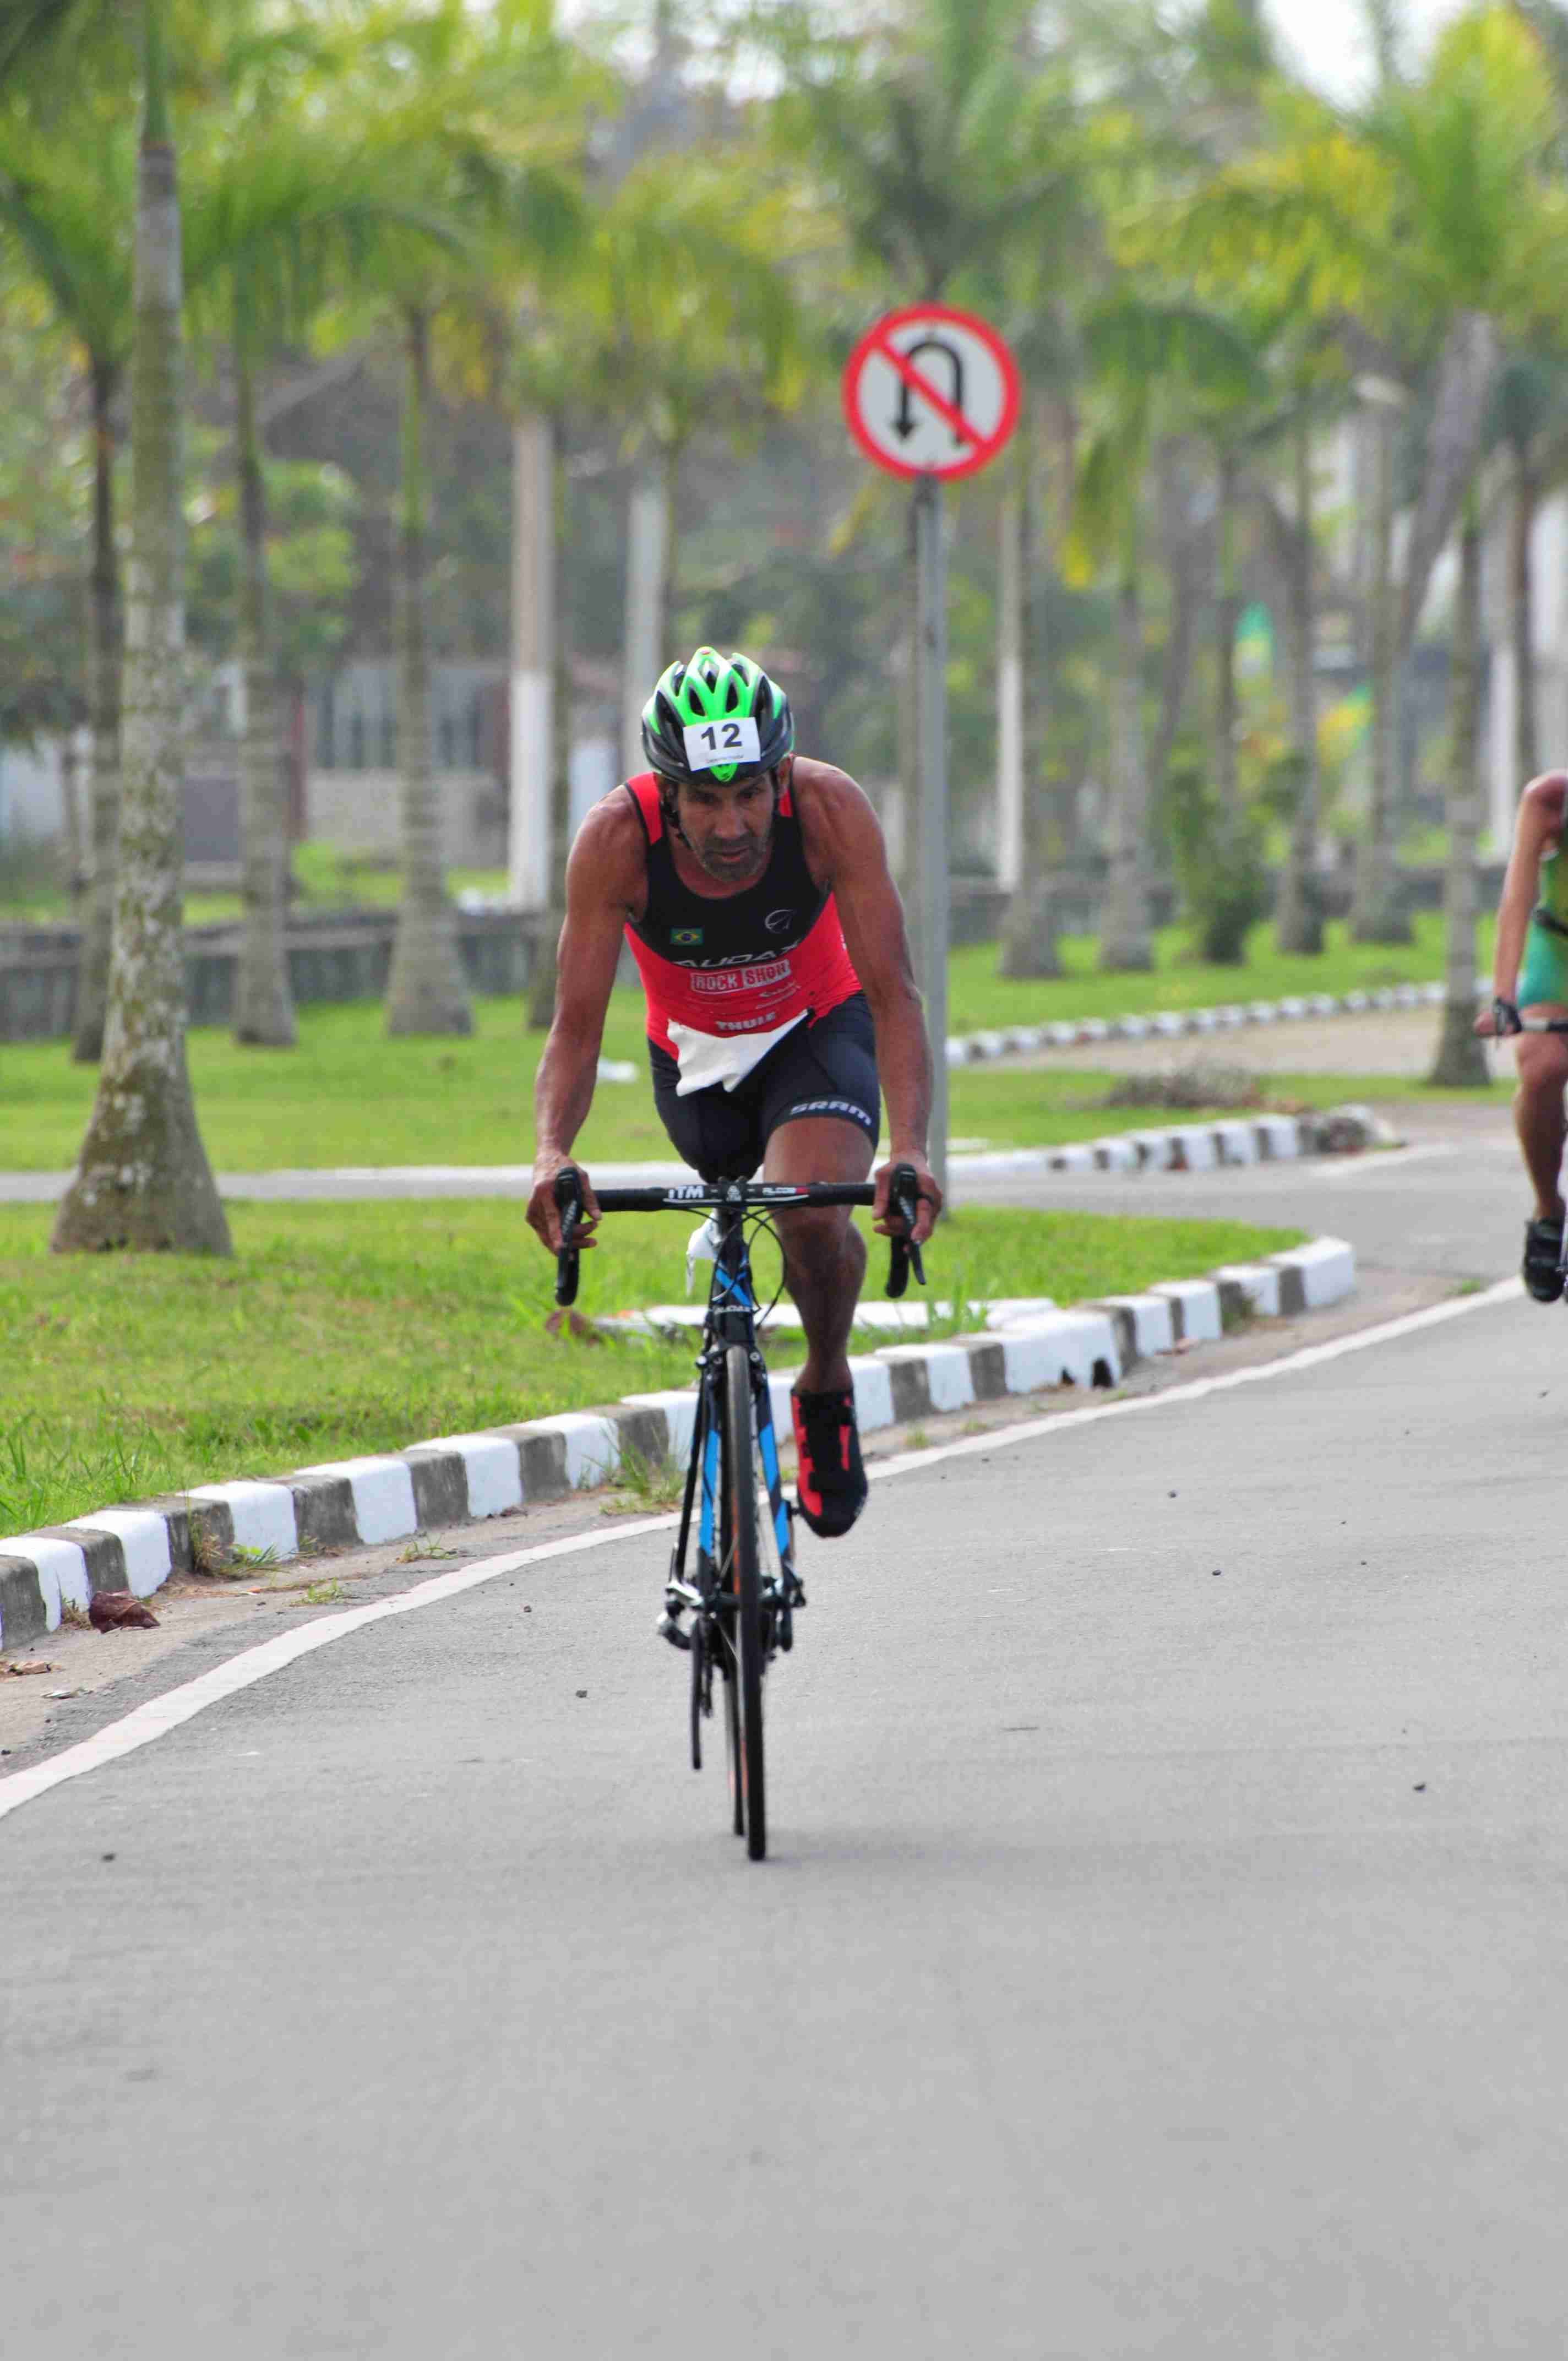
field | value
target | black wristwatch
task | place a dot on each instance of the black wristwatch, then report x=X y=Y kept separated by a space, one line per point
x=1505 y=1017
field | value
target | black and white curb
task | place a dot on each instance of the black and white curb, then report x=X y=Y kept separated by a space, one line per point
x=456 y=1479
x=1176 y=1024
x=1166 y=1147
x=1195 y=1147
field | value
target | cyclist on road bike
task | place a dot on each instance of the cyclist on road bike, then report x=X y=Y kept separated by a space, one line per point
x=752 y=886
x=1529 y=975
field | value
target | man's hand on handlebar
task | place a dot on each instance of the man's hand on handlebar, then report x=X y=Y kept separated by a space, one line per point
x=544 y=1212
x=928 y=1200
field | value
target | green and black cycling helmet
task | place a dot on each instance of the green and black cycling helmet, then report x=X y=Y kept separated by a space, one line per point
x=716 y=718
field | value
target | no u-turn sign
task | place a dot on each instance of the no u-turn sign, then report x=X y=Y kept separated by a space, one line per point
x=930 y=391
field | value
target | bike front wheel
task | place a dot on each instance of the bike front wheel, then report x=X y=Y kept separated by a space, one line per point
x=740 y=1556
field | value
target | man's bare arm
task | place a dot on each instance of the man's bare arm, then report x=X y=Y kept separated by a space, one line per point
x=845 y=847
x=605 y=881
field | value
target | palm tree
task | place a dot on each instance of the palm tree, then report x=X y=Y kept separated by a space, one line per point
x=143 y=1179
x=1532 y=422
x=1459 y=1061
x=945 y=137
x=1027 y=292
x=485 y=136
x=68 y=205
x=1155 y=367
x=1471 y=153
x=1433 y=217
x=690 y=327
x=1298 y=916
x=1029 y=931
x=278 y=221
x=671 y=318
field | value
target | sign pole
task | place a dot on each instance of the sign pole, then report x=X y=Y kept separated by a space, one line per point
x=931 y=709
x=930 y=392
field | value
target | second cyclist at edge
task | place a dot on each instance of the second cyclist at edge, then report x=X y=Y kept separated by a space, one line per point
x=752 y=886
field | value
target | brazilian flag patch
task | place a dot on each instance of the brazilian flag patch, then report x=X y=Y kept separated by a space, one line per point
x=689 y=937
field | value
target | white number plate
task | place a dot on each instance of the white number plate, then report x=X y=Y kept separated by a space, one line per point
x=711 y=743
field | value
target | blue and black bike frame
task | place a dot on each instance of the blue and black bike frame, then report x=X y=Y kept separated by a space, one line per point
x=709 y=1598
x=732 y=1320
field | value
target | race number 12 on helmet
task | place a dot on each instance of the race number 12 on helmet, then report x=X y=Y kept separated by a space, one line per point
x=716 y=718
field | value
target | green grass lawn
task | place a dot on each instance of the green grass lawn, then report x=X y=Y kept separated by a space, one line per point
x=978 y=998
x=347 y=1095
x=326 y=879
x=337 y=1330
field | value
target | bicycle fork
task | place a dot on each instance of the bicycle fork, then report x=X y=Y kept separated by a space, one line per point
x=704 y=1597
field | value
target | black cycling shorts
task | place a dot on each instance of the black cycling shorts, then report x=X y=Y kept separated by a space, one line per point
x=827 y=1066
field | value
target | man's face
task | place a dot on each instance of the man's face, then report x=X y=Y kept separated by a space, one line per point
x=730 y=827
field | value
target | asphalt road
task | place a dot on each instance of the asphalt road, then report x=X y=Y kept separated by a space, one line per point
x=1163 y=1951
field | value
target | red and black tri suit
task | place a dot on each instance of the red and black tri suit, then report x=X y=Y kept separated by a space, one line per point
x=755 y=1014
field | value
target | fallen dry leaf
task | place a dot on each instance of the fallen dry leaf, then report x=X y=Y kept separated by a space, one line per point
x=110 y=1610
x=572 y=1324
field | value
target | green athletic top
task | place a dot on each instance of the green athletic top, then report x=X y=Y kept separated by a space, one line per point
x=1551 y=890
x=1543 y=976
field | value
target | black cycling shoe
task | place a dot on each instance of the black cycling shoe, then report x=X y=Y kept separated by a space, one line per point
x=1543 y=1271
x=830 y=1478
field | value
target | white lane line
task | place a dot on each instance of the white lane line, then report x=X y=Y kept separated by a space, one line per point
x=1393 y=1159
x=162 y=1714
x=1310 y=1357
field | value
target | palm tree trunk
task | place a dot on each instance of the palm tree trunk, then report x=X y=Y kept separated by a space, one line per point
x=93 y=987
x=264 y=1007
x=1188 y=562
x=1460 y=1061
x=75 y=764
x=1029 y=934
x=645 y=624
x=670 y=486
x=1124 y=934
x=1012 y=562
x=426 y=992
x=535 y=573
x=143 y=1180
x=1374 y=918
x=1298 y=926
x=540 y=1006
x=1228 y=605
x=1467 y=372
x=1521 y=620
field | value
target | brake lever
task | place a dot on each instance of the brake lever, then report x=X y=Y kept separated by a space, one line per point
x=903 y=1199
x=569 y=1262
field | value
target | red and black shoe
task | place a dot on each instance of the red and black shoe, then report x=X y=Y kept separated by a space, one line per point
x=830 y=1478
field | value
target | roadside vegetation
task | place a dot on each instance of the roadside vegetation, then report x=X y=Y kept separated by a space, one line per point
x=357 y=1328
x=979 y=997
x=1283 y=352
x=348 y=1096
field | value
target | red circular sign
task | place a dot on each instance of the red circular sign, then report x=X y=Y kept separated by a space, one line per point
x=931 y=391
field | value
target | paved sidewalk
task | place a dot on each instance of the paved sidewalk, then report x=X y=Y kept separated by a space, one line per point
x=1396 y=1041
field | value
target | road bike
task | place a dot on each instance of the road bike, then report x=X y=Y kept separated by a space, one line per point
x=736 y=1610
